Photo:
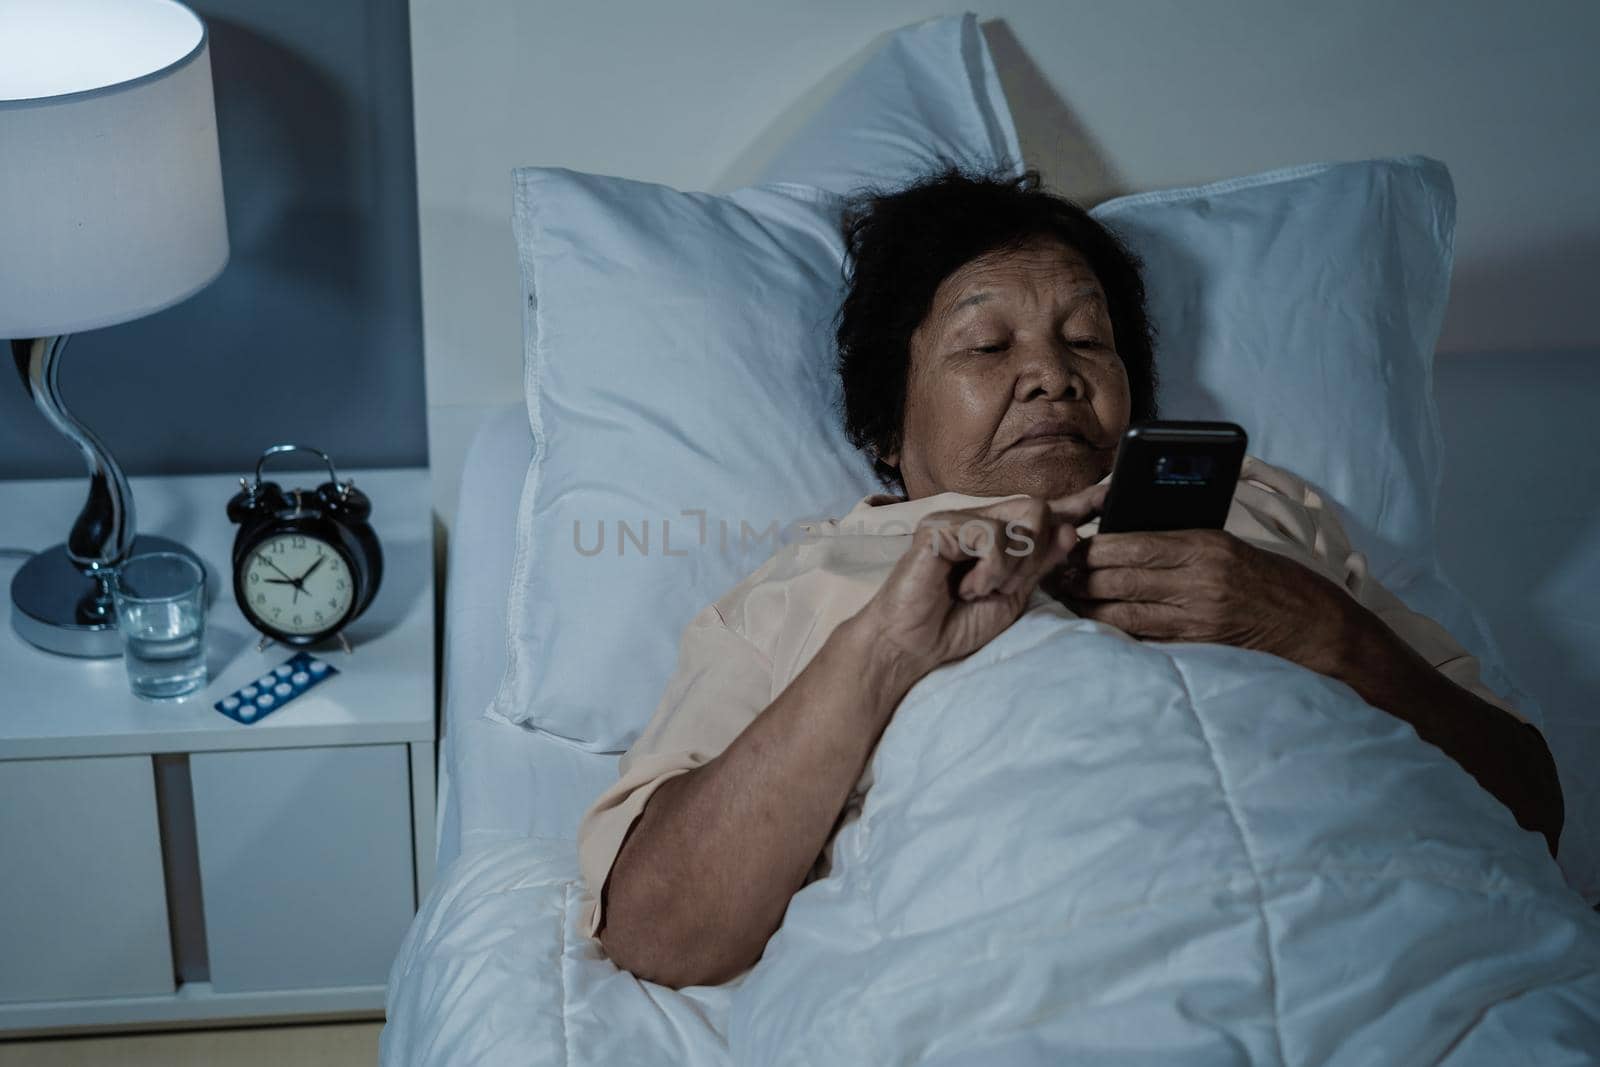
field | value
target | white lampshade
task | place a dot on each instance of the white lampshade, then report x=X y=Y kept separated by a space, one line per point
x=110 y=183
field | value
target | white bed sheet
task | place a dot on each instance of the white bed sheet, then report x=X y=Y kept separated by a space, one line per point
x=497 y=782
x=496 y=970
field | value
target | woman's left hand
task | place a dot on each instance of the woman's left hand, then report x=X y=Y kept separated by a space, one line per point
x=1205 y=586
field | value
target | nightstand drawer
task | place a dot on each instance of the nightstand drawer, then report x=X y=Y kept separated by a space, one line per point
x=305 y=864
x=83 y=903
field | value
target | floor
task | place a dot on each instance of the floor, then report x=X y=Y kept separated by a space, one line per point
x=327 y=1045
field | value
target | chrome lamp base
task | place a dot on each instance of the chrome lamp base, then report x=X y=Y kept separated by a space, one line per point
x=61 y=599
x=57 y=607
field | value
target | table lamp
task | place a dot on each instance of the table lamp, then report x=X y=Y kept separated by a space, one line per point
x=110 y=209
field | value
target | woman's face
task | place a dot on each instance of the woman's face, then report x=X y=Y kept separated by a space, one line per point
x=1014 y=383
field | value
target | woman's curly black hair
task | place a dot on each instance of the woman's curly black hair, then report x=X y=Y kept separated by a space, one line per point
x=901 y=245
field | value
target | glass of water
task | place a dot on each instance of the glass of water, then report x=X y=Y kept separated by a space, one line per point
x=161 y=611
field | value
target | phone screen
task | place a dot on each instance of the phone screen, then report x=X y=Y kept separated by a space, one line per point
x=1174 y=476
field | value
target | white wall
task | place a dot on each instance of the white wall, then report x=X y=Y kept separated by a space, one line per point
x=1110 y=97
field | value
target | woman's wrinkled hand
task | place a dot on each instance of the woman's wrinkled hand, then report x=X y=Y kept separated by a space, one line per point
x=969 y=574
x=1204 y=586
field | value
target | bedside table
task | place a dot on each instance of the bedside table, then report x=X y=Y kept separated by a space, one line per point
x=165 y=865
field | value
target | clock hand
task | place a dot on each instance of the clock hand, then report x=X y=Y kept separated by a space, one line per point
x=292 y=583
x=299 y=583
x=275 y=567
x=286 y=580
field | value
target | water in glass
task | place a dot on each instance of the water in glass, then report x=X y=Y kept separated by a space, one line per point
x=165 y=648
x=161 y=613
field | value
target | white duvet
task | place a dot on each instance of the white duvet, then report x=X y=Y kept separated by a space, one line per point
x=1077 y=848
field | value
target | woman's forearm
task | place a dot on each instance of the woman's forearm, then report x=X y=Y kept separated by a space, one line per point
x=706 y=874
x=1508 y=758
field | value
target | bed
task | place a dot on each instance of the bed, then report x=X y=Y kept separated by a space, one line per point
x=496 y=969
x=508 y=821
x=1199 y=908
x=497 y=784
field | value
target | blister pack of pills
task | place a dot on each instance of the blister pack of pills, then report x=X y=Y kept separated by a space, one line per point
x=253 y=702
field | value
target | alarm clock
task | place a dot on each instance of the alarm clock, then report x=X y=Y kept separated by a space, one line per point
x=306 y=562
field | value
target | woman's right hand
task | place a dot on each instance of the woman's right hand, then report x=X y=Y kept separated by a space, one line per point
x=968 y=575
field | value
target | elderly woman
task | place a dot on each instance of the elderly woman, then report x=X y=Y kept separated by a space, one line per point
x=993 y=346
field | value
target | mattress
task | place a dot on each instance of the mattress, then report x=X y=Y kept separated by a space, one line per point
x=497 y=782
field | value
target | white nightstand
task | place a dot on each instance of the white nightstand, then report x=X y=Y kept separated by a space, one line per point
x=161 y=864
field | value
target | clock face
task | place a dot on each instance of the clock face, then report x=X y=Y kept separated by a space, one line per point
x=297 y=584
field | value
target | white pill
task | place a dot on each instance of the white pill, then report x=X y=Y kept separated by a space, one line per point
x=249 y=691
x=282 y=670
x=265 y=700
x=230 y=702
x=300 y=678
x=319 y=667
x=265 y=681
x=283 y=689
x=247 y=712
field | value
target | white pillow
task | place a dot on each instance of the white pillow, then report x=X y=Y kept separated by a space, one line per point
x=679 y=357
x=678 y=364
x=1304 y=304
x=929 y=98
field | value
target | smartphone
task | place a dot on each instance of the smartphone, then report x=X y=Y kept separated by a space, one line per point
x=1173 y=476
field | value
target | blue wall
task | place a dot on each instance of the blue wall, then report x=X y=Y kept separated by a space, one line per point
x=313 y=333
